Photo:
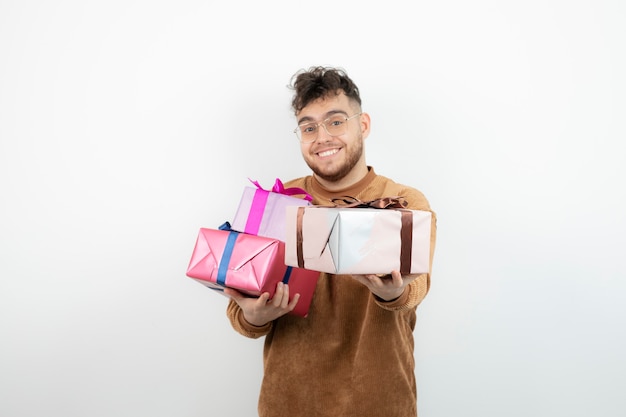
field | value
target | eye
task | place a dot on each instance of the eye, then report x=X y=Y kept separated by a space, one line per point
x=336 y=121
x=308 y=128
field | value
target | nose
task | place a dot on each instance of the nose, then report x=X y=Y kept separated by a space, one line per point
x=322 y=133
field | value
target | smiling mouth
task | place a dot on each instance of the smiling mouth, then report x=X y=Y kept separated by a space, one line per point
x=328 y=153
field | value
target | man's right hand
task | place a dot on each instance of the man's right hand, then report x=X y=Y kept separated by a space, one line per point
x=260 y=311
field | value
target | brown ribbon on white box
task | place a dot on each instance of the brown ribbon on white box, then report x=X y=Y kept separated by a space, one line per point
x=397 y=203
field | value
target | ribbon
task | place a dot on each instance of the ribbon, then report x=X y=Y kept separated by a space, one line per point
x=225 y=226
x=280 y=189
x=394 y=203
x=406 y=241
x=226 y=255
x=299 y=238
x=255 y=215
x=379 y=203
x=287 y=275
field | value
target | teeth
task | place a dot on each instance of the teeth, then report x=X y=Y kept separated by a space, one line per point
x=328 y=153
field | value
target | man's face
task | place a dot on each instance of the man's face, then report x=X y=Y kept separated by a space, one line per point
x=333 y=158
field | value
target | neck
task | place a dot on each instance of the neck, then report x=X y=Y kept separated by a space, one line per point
x=354 y=176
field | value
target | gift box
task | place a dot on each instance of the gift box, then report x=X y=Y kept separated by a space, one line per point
x=359 y=239
x=250 y=264
x=262 y=212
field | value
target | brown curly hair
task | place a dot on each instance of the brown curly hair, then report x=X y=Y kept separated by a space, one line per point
x=320 y=82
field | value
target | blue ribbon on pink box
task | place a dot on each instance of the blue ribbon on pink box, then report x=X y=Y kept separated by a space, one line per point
x=228 y=251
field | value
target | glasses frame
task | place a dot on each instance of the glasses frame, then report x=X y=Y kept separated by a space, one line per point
x=323 y=124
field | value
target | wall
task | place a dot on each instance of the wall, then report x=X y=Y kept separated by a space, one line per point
x=125 y=126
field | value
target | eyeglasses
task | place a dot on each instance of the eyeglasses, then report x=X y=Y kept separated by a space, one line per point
x=335 y=125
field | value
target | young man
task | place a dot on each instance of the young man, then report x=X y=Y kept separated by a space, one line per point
x=353 y=354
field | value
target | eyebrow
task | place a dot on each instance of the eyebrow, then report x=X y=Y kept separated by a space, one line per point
x=307 y=119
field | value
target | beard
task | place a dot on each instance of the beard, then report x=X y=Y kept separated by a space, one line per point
x=353 y=157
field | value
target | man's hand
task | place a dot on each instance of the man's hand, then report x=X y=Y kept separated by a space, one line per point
x=386 y=288
x=260 y=311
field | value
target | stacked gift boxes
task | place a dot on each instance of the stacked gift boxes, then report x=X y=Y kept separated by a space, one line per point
x=249 y=256
x=278 y=237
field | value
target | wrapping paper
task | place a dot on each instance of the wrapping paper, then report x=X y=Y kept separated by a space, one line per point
x=250 y=264
x=262 y=212
x=340 y=240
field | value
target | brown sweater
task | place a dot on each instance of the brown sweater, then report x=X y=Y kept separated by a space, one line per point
x=353 y=354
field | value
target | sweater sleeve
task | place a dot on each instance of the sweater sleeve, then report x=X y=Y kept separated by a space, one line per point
x=241 y=326
x=418 y=288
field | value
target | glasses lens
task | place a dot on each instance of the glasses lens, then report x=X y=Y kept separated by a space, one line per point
x=335 y=125
x=307 y=132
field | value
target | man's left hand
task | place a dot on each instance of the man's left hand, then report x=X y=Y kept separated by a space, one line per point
x=386 y=287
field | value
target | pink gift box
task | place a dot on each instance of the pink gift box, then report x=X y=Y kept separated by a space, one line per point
x=250 y=264
x=358 y=240
x=262 y=212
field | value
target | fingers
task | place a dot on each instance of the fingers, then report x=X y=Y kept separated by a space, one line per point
x=277 y=299
x=281 y=296
x=262 y=309
x=380 y=280
x=375 y=282
x=396 y=278
x=293 y=302
x=241 y=298
x=263 y=299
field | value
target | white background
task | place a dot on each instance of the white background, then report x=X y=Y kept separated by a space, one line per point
x=127 y=125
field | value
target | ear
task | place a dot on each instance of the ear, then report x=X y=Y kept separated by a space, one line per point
x=365 y=121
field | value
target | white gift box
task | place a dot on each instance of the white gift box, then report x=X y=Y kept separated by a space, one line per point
x=358 y=240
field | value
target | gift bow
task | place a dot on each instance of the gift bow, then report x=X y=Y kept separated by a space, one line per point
x=379 y=203
x=280 y=189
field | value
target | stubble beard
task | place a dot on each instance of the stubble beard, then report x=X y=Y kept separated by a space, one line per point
x=353 y=158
